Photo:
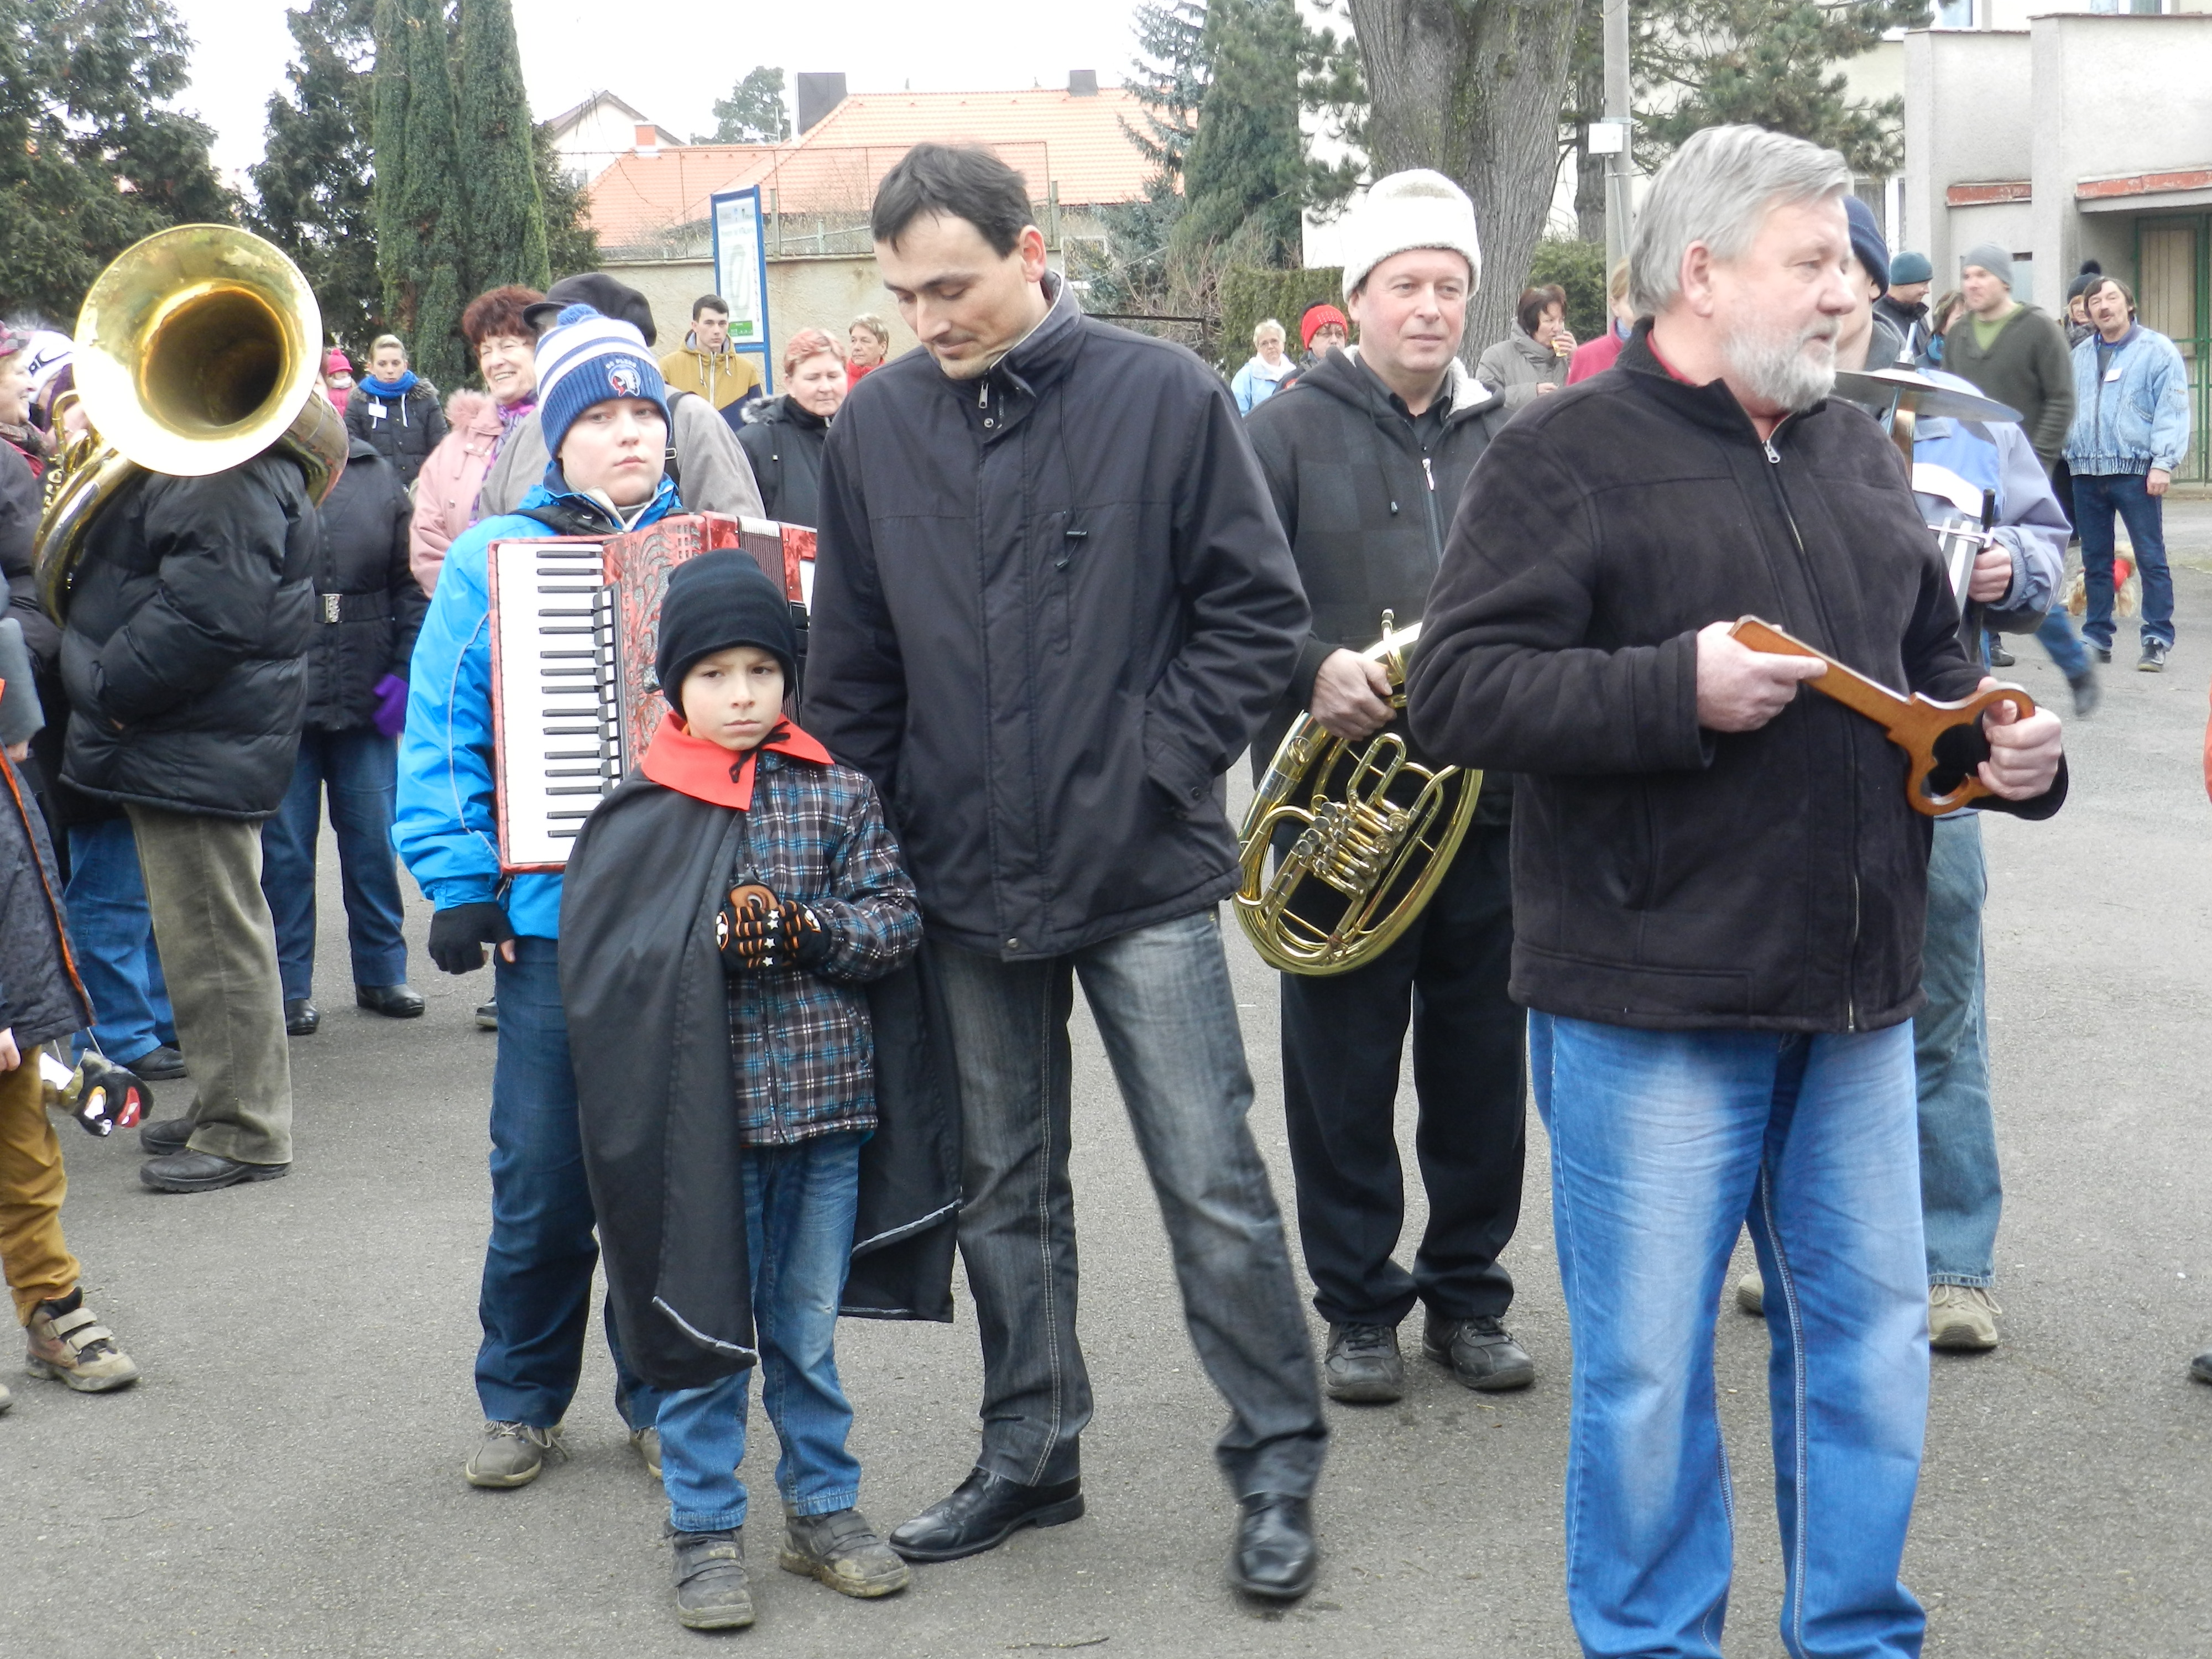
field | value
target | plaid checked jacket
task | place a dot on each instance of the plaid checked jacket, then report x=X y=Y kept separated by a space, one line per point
x=802 y=1049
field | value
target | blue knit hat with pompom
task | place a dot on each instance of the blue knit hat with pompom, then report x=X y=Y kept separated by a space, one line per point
x=586 y=358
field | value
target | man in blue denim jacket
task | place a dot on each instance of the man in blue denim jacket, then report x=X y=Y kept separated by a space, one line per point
x=2130 y=431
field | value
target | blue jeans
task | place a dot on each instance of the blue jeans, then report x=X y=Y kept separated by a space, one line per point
x=1162 y=1004
x=360 y=767
x=536 y=1299
x=2057 y=634
x=2097 y=497
x=1961 y=1195
x=800 y=1204
x=112 y=932
x=1663 y=1143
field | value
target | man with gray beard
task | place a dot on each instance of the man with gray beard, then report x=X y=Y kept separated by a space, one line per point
x=1719 y=888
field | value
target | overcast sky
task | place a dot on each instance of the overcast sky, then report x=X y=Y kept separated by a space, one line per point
x=672 y=60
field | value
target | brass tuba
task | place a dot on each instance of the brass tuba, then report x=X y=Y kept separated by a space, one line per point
x=1376 y=831
x=196 y=349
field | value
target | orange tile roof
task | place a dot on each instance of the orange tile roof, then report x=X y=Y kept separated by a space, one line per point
x=1049 y=137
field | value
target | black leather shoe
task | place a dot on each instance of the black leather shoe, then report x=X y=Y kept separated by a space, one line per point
x=392 y=1001
x=488 y=1015
x=982 y=1513
x=204 y=1172
x=1482 y=1353
x=1274 y=1557
x=160 y=1065
x=2201 y=1367
x=162 y=1139
x=1362 y=1367
x=300 y=1017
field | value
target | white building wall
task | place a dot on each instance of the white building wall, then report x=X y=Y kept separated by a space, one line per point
x=1970 y=116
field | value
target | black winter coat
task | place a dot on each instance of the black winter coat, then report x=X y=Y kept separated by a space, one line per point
x=1366 y=511
x=405 y=432
x=784 y=444
x=1665 y=876
x=368 y=606
x=1052 y=605
x=649 y=1024
x=187 y=628
x=41 y=997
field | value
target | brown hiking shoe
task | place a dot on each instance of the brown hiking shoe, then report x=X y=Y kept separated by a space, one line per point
x=843 y=1551
x=1962 y=1318
x=511 y=1455
x=67 y=1345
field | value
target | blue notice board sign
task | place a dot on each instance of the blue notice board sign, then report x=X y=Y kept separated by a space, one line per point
x=741 y=273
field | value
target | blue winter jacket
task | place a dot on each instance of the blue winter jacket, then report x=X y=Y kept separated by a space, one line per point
x=2137 y=422
x=447 y=828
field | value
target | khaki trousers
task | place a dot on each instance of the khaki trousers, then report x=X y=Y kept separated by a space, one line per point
x=219 y=956
x=39 y=1266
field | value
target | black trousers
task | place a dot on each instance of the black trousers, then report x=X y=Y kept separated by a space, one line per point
x=1343 y=1036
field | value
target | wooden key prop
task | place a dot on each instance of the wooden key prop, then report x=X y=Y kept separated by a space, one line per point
x=1913 y=723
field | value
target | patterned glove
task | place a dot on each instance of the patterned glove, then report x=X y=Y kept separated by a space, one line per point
x=754 y=930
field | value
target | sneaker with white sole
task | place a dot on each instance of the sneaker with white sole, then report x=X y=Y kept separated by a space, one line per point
x=511 y=1455
x=1751 y=1293
x=1962 y=1318
x=68 y=1345
x=2152 y=660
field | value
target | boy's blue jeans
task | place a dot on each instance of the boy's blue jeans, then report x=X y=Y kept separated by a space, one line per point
x=1960 y=1194
x=535 y=1305
x=360 y=768
x=1663 y=1143
x=113 y=932
x=801 y=1201
x=2097 y=497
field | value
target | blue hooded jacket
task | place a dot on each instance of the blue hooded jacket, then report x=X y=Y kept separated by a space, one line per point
x=447 y=828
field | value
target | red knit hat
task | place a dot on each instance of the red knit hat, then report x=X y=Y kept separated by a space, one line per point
x=1315 y=317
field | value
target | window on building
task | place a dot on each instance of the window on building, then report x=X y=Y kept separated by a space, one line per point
x=1954 y=13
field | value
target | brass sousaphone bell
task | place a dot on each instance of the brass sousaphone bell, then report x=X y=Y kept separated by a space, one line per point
x=1372 y=831
x=196 y=349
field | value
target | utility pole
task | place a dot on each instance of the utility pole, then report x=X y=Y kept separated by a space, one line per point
x=1620 y=165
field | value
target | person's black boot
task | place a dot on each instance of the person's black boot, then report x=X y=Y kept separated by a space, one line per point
x=204 y=1172
x=1481 y=1352
x=392 y=1001
x=984 y=1511
x=161 y=1065
x=711 y=1590
x=2201 y=1367
x=1362 y=1365
x=301 y=1016
x=167 y=1137
x=1274 y=1557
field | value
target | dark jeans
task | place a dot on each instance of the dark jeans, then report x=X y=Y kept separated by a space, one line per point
x=1343 y=1035
x=2097 y=497
x=536 y=1300
x=359 y=768
x=1162 y=1003
x=113 y=932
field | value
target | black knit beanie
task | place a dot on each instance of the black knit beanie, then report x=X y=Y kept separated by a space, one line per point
x=716 y=600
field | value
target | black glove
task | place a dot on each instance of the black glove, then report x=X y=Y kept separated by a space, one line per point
x=459 y=933
x=754 y=929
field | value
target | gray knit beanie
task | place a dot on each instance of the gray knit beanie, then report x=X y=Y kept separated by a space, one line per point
x=1992 y=258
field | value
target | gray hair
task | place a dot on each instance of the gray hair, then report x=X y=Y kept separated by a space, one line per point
x=1266 y=326
x=1717 y=190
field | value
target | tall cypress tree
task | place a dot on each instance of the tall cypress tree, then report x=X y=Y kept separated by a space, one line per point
x=388 y=150
x=425 y=265
x=314 y=185
x=1247 y=160
x=505 y=234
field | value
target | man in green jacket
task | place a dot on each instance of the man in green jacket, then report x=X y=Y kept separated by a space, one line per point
x=2013 y=352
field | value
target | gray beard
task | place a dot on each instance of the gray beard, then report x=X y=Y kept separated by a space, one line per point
x=1776 y=370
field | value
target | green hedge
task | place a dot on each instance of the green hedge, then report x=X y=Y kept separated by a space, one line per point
x=1249 y=297
x=1579 y=268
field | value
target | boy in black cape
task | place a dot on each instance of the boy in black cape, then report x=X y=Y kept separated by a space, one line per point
x=721 y=917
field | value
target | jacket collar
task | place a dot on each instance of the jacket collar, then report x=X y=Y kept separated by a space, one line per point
x=784 y=412
x=1047 y=352
x=554 y=491
x=1712 y=405
x=1339 y=374
x=705 y=771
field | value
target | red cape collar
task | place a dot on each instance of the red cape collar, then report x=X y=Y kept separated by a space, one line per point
x=706 y=771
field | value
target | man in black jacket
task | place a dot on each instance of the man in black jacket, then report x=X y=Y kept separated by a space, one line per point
x=182 y=657
x=1054 y=605
x=1719 y=887
x=1366 y=454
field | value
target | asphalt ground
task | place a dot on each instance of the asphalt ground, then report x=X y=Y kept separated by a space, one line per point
x=286 y=1480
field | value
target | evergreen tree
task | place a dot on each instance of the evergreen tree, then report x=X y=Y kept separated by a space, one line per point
x=91 y=158
x=571 y=244
x=1247 y=160
x=315 y=187
x=753 y=113
x=388 y=135
x=504 y=230
x=1771 y=62
x=425 y=285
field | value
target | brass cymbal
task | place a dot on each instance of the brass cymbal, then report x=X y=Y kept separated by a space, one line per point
x=1909 y=391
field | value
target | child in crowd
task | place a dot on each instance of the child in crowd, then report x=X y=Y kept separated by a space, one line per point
x=41 y=999
x=721 y=916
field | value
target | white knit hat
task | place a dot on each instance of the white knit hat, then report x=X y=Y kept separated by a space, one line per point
x=1417 y=209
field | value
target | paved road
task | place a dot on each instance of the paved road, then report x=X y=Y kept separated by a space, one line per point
x=286 y=1480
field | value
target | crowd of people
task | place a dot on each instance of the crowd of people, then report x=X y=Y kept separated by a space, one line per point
x=1066 y=575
